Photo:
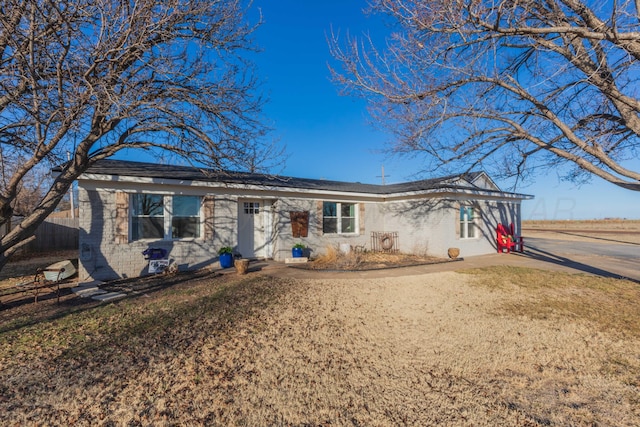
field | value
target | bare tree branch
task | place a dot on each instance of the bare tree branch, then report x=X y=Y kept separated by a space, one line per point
x=525 y=83
x=94 y=77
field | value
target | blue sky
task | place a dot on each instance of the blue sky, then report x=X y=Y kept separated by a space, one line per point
x=328 y=136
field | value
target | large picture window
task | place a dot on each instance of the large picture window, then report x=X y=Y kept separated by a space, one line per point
x=467 y=222
x=155 y=216
x=338 y=218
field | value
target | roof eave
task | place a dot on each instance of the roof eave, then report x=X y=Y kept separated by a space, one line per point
x=445 y=190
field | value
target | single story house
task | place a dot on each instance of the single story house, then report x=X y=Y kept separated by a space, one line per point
x=129 y=207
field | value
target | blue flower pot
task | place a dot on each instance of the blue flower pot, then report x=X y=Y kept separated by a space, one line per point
x=296 y=252
x=226 y=260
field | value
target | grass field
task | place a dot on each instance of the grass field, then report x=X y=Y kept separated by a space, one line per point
x=588 y=224
x=613 y=230
x=500 y=346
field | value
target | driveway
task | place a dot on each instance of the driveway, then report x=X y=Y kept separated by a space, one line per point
x=569 y=247
x=601 y=258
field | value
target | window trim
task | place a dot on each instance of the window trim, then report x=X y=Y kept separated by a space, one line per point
x=167 y=210
x=464 y=222
x=339 y=217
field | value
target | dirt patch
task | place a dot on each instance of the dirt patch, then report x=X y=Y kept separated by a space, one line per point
x=334 y=260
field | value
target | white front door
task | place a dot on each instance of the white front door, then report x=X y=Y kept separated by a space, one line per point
x=252 y=220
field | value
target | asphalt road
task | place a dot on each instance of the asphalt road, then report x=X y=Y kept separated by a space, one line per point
x=601 y=258
x=626 y=251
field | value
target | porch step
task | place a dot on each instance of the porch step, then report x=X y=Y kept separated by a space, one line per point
x=92 y=290
x=87 y=290
x=89 y=284
x=300 y=260
x=108 y=296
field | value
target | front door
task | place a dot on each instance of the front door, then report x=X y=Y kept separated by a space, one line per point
x=251 y=228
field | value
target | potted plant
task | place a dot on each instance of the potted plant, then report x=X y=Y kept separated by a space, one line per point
x=297 y=250
x=226 y=256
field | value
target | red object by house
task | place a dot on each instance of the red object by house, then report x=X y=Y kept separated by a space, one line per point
x=505 y=239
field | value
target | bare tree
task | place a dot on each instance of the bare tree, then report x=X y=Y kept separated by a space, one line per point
x=98 y=76
x=30 y=189
x=511 y=86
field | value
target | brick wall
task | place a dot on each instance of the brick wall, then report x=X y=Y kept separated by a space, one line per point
x=105 y=251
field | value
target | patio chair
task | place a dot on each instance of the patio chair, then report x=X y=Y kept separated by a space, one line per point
x=504 y=239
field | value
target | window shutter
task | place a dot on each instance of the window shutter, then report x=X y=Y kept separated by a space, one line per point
x=299 y=223
x=361 y=218
x=122 y=218
x=319 y=213
x=208 y=218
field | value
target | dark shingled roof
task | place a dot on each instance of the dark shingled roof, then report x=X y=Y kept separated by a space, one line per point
x=188 y=173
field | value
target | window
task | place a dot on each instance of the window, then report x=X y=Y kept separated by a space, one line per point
x=147 y=216
x=338 y=218
x=252 y=208
x=467 y=222
x=185 y=222
x=154 y=216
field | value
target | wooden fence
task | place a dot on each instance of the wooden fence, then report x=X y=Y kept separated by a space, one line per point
x=55 y=234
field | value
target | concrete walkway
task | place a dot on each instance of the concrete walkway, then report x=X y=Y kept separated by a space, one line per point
x=92 y=290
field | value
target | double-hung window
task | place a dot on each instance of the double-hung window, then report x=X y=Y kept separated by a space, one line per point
x=185 y=221
x=147 y=216
x=338 y=218
x=467 y=222
x=156 y=216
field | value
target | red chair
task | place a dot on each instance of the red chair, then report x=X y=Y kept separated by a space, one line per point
x=503 y=239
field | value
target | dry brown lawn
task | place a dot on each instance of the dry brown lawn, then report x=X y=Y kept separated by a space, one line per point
x=501 y=346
